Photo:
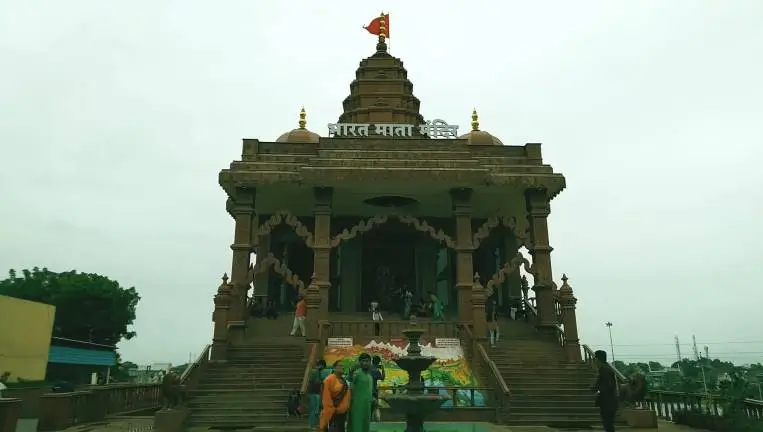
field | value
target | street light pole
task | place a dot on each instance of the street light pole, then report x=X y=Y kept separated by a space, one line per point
x=611 y=344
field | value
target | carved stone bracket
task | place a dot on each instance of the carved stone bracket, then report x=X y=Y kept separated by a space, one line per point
x=506 y=270
x=418 y=225
x=280 y=268
x=285 y=217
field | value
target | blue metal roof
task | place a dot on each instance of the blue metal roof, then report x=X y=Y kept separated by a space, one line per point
x=79 y=356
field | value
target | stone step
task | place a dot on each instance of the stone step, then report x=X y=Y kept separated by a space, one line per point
x=550 y=390
x=213 y=403
x=502 y=160
x=285 y=158
x=519 y=378
x=578 y=408
x=425 y=162
x=551 y=419
x=266 y=166
x=236 y=382
x=228 y=385
x=252 y=373
x=226 y=421
x=245 y=393
x=519 y=169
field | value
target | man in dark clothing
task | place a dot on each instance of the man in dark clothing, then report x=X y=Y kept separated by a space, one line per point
x=606 y=392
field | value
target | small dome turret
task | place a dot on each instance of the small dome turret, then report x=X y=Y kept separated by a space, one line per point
x=300 y=135
x=478 y=137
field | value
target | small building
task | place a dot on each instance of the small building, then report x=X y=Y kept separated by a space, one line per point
x=76 y=361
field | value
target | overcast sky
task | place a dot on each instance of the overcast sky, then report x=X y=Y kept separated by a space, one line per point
x=115 y=118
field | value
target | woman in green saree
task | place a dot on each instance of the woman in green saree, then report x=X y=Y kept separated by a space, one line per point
x=362 y=395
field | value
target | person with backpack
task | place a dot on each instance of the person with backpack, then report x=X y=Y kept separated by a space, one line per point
x=317 y=376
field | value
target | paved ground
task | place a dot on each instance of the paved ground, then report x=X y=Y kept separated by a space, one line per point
x=142 y=424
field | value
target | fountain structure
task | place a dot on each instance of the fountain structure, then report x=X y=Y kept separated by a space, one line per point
x=414 y=402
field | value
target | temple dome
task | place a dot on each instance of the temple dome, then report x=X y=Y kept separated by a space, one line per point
x=381 y=92
x=478 y=137
x=300 y=135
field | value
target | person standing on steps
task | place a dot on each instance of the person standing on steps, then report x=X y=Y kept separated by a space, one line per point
x=606 y=392
x=335 y=401
x=362 y=395
x=299 y=317
x=491 y=316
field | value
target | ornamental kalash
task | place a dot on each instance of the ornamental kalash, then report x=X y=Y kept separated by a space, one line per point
x=406 y=215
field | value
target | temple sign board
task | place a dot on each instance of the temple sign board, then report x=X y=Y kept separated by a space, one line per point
x=436 y=129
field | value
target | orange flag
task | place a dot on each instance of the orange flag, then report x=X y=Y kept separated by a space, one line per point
x=374 y=27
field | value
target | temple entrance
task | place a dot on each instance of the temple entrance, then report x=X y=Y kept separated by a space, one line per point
x=389 y=266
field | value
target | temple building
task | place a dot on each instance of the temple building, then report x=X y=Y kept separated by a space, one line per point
x=389 y=201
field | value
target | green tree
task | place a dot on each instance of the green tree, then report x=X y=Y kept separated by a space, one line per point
x=89 y=306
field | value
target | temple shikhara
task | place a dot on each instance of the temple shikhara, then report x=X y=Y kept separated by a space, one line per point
x=437 y=225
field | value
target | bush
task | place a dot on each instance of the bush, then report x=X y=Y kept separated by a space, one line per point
x=703 y=420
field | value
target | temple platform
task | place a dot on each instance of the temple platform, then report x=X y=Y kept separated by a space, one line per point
x=146 y=425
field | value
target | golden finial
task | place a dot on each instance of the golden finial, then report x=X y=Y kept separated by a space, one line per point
x=302 y=118
x=475 y=120
x=382 y=28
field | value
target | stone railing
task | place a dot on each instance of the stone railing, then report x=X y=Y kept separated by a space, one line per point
x=59 y=411
x=312 y=357
x=190 y=377
x=484 y=368
x=671 y=405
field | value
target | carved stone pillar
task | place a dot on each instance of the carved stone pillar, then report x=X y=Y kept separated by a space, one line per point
x=220 y=320
x=322 y=247
x=313 y=303
x=478 y=308
x=569 y=320
x=538 y=209
x=462 y=211
x=242 y=208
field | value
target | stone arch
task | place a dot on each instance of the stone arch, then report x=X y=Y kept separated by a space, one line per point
x=286 y=218
x=415 y=223
x=271 y=261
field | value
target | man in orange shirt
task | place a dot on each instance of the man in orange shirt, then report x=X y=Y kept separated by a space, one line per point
x=299 y=317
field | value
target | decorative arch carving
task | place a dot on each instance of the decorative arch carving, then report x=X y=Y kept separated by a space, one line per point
x=510 y=222
x=369 y=224
x=506 y=270
x=484 y=231
x=285 y=217
x=271 y=261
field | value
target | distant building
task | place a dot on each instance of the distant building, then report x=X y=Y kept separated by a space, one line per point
x=25 y=331
x=150 y=373
x=29 y=352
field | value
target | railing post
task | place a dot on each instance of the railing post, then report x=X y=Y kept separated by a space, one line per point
x=9 y=413
x=478 y=309
x=313 y=303
x=569 y=320
x=55 y=411
x=220 y=318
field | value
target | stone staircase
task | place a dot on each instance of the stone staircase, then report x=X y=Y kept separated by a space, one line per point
x=251 y=389
x=546 y=390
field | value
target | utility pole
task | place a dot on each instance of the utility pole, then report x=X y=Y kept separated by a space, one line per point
x=611 y=344
x=699 y=361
